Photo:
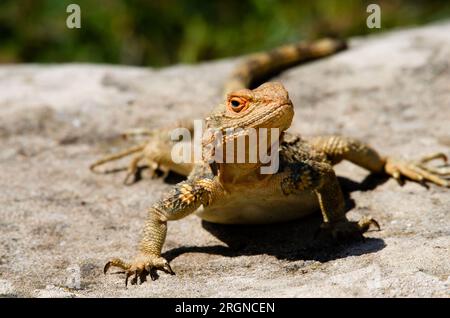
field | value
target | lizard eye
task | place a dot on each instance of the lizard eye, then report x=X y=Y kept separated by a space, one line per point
x=236 y=104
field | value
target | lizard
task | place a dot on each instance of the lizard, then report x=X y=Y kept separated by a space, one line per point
x=238 y=193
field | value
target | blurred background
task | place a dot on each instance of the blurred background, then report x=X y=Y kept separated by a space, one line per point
x=159 y=33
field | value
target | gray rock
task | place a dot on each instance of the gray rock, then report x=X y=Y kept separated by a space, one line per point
x=6 y=289
x=57 y=219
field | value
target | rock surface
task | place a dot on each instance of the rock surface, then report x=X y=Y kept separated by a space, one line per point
x=59 y=223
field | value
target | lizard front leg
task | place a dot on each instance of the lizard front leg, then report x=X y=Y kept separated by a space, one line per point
x=320 y=178
x=338 y=148
x=185 y=198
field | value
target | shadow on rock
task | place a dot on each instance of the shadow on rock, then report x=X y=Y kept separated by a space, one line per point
x=369 y=183
x=293 y=240
x=289 y=241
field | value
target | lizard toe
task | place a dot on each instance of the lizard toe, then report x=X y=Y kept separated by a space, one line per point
x=419 y=171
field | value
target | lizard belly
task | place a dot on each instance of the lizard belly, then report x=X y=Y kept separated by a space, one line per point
x=245 y=208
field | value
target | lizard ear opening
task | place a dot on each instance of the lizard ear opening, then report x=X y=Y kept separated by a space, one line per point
x=236 y=104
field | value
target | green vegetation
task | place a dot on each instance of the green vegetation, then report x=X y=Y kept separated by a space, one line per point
x=164 y=32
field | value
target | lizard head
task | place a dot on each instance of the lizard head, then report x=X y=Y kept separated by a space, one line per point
x=246 y=111
x=267 y=106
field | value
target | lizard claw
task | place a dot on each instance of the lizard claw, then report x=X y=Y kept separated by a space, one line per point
x=419 y=171
x=345 y=229
x=438 y=155
x=168 y=268
x=142 y=266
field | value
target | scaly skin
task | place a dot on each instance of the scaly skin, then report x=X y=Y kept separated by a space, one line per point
x=238 y=192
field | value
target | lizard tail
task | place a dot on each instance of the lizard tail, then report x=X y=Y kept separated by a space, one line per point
x=260 y=66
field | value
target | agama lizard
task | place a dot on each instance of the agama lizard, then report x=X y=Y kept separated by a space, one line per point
x=236 y=193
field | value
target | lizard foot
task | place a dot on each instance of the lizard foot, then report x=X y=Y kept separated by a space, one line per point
x=154 y=170
x=345 y=229
x=419 y=171
x=142 y=266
